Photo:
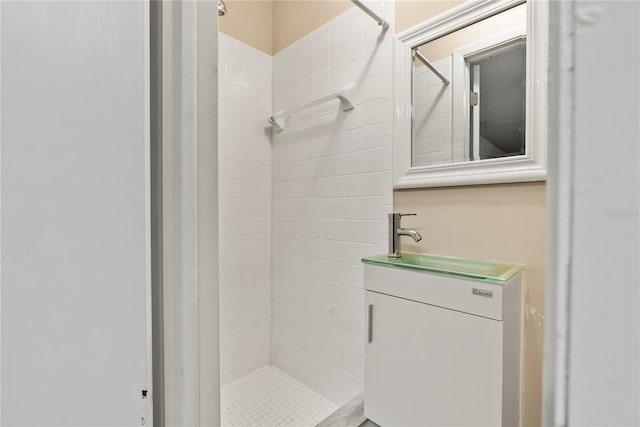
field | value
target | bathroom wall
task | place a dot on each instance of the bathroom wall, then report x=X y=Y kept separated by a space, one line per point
x=331 y=193
x=253 y=21
x=245 y=208
x=411 y=12
x=520 y=205
x=294 y=19
x=315 y=339
x=249 y=21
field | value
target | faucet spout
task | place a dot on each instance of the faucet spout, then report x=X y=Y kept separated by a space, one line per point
x=411 y=233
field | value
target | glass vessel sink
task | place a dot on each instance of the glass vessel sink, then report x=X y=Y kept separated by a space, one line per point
x=479 y=270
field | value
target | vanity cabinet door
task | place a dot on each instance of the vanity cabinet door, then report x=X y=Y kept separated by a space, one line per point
x=431 y=366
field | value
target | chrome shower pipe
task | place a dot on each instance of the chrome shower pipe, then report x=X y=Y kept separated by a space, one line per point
x=222 y=8
x=384 y=24
x=425 y=61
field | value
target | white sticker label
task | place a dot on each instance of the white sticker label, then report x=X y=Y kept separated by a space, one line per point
x=482 y=293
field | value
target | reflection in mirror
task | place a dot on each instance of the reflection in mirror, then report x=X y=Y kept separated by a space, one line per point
x=497 y=101
x=469 y=92
x=431 y=102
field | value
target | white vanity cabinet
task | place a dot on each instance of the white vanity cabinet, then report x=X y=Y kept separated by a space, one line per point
x=441 y=349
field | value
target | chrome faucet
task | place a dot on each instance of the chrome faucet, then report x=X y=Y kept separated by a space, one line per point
x=395 y=231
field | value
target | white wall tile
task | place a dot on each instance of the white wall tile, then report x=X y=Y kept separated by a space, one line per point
x=336 y=35
x=306 y=207
x=432 y=115
x=332 y=188
x=337 y=57
x=244 y=146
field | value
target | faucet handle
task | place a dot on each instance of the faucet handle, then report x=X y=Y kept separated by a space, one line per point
x=396 y=216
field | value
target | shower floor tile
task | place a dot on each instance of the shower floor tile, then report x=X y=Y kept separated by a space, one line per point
x=268 y=398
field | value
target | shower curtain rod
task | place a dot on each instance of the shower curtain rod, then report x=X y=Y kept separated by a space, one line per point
x=425 y=61
x=384 y=24
x=345 y=95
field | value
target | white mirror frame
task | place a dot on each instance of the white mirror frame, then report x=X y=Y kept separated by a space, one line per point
x=529 y=167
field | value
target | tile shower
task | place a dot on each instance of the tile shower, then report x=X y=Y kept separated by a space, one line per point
x=299 y=208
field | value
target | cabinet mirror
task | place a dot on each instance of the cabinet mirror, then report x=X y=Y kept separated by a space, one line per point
x=469 y=96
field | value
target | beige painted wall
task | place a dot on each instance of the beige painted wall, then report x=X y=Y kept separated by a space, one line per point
x=270 y=26
x=294 y=19
x=249 y=21
x=413 y=12
x=492 y=222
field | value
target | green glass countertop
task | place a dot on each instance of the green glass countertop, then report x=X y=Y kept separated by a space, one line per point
x=479 y=270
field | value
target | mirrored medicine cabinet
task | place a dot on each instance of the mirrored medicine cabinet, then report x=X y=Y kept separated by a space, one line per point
x=470 y=96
